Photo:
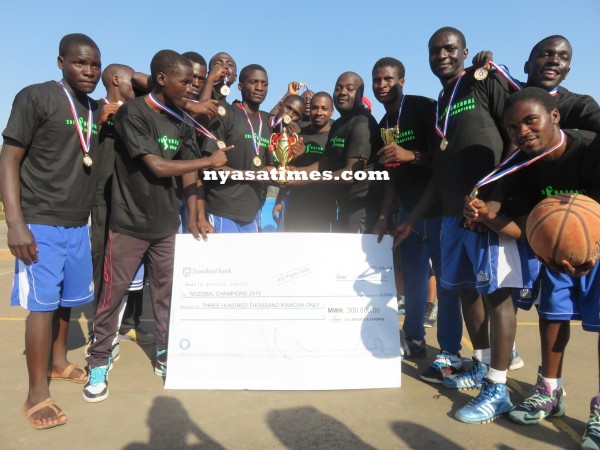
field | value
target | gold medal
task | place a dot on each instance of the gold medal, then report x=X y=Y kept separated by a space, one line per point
x=444 y=144
x=256 y=161
x=221 y=144
x=221 y=111
x=87 y=160
x=481 y=74
x=225 y=90
x=473 y=194
x=287 y=119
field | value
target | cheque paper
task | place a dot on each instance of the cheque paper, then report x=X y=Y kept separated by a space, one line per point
x=281 y=311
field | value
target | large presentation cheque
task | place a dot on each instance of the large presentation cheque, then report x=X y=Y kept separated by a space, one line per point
x=283 y=311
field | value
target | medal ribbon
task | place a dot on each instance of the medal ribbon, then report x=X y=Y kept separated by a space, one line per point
x=278 y=122
x=188 y=120
x=85 y=143
x=442 y=132
x=497 y=173
x=387 y=125
x=255 y=138
x=516 y=84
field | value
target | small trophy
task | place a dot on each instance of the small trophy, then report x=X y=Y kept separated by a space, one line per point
x=281 y=143
x=390 y=136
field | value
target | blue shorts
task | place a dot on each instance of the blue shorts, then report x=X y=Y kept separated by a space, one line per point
x=563 y=297
x=225 y=225
x=63 y=275
x=484 y=261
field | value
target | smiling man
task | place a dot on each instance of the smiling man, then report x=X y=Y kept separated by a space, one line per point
x=566 y=293
x=409 y=164
x=47 y=186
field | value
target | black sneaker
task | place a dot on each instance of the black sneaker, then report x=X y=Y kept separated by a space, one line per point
x=445 y=364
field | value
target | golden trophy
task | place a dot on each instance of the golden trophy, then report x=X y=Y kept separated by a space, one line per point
x=390 y=136
x=281 y=144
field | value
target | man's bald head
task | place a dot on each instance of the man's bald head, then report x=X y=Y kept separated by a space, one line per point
x=348 y=92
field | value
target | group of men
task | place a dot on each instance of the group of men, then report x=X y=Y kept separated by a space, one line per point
x=134 y=160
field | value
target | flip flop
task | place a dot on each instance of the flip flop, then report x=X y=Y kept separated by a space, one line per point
x=46 y=403
x=65 y=375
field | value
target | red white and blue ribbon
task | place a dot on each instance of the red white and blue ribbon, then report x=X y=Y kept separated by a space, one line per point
x=442 y=132
x=255 y=137
x=387 y=125
x=512 y=81
x=188 y=120
x=85 y=143
x=497 y=173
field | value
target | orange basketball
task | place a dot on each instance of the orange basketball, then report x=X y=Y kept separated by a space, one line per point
x=565 y=227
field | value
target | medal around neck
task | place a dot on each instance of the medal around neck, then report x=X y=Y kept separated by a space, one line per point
x=257 y=161
x=221 y=111
x=444 y=144
x=87 y=160
x=221 y=145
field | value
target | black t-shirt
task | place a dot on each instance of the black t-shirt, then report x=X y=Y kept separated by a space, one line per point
x=577 y=171
x=144 y=206
x=238 y=200
x=415 y=133
x=56 y=187
x=105 y=162
x=578 y=111
x=475 y=143
x=310 y=208
x=355 y=135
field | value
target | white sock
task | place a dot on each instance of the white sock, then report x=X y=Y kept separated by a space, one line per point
x=554 y=383
x=496 y=376
x=514 y=346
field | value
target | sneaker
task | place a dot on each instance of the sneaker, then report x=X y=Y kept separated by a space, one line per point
x=160 y=365
x=138 y=335
x=491 y=403
x=515 y=361
x=410 y=349
x=431 y=313
x=591 y=436
x=401 y=304
x=445 y=364
x=538 y=405
x=471 y=379
x=96 y=388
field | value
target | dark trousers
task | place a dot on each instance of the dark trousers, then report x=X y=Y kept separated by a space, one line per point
x=133 y=309
x=123 y=255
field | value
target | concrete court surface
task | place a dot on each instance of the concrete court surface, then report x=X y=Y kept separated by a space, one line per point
x=140 y=414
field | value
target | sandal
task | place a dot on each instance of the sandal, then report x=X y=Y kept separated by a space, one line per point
x=46 y=403
x=65 y=375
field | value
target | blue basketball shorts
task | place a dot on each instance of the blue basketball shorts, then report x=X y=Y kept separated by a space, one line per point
x=63 y=275
x=484 y=261
x=225 y=225
x=563 y=297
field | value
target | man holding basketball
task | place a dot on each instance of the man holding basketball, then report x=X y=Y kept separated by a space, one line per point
x=571 y=164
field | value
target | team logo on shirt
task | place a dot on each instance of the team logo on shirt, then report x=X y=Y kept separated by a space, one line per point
x=549 y=191
x=264 y=142
x=405 y=136
x=312 y=148
x=167 y=143
x=83 y=124
x=460 y=107
x=337 y=142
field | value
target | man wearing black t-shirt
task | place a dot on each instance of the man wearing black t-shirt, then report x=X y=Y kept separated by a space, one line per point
x=353 y=142
x=232 y=206
x=569 y=162
x=547 y=67
x=153 y=145
x=409 y=163
x=117 y=81
x=47 y=186
x=468 y=147
x=310 y=208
